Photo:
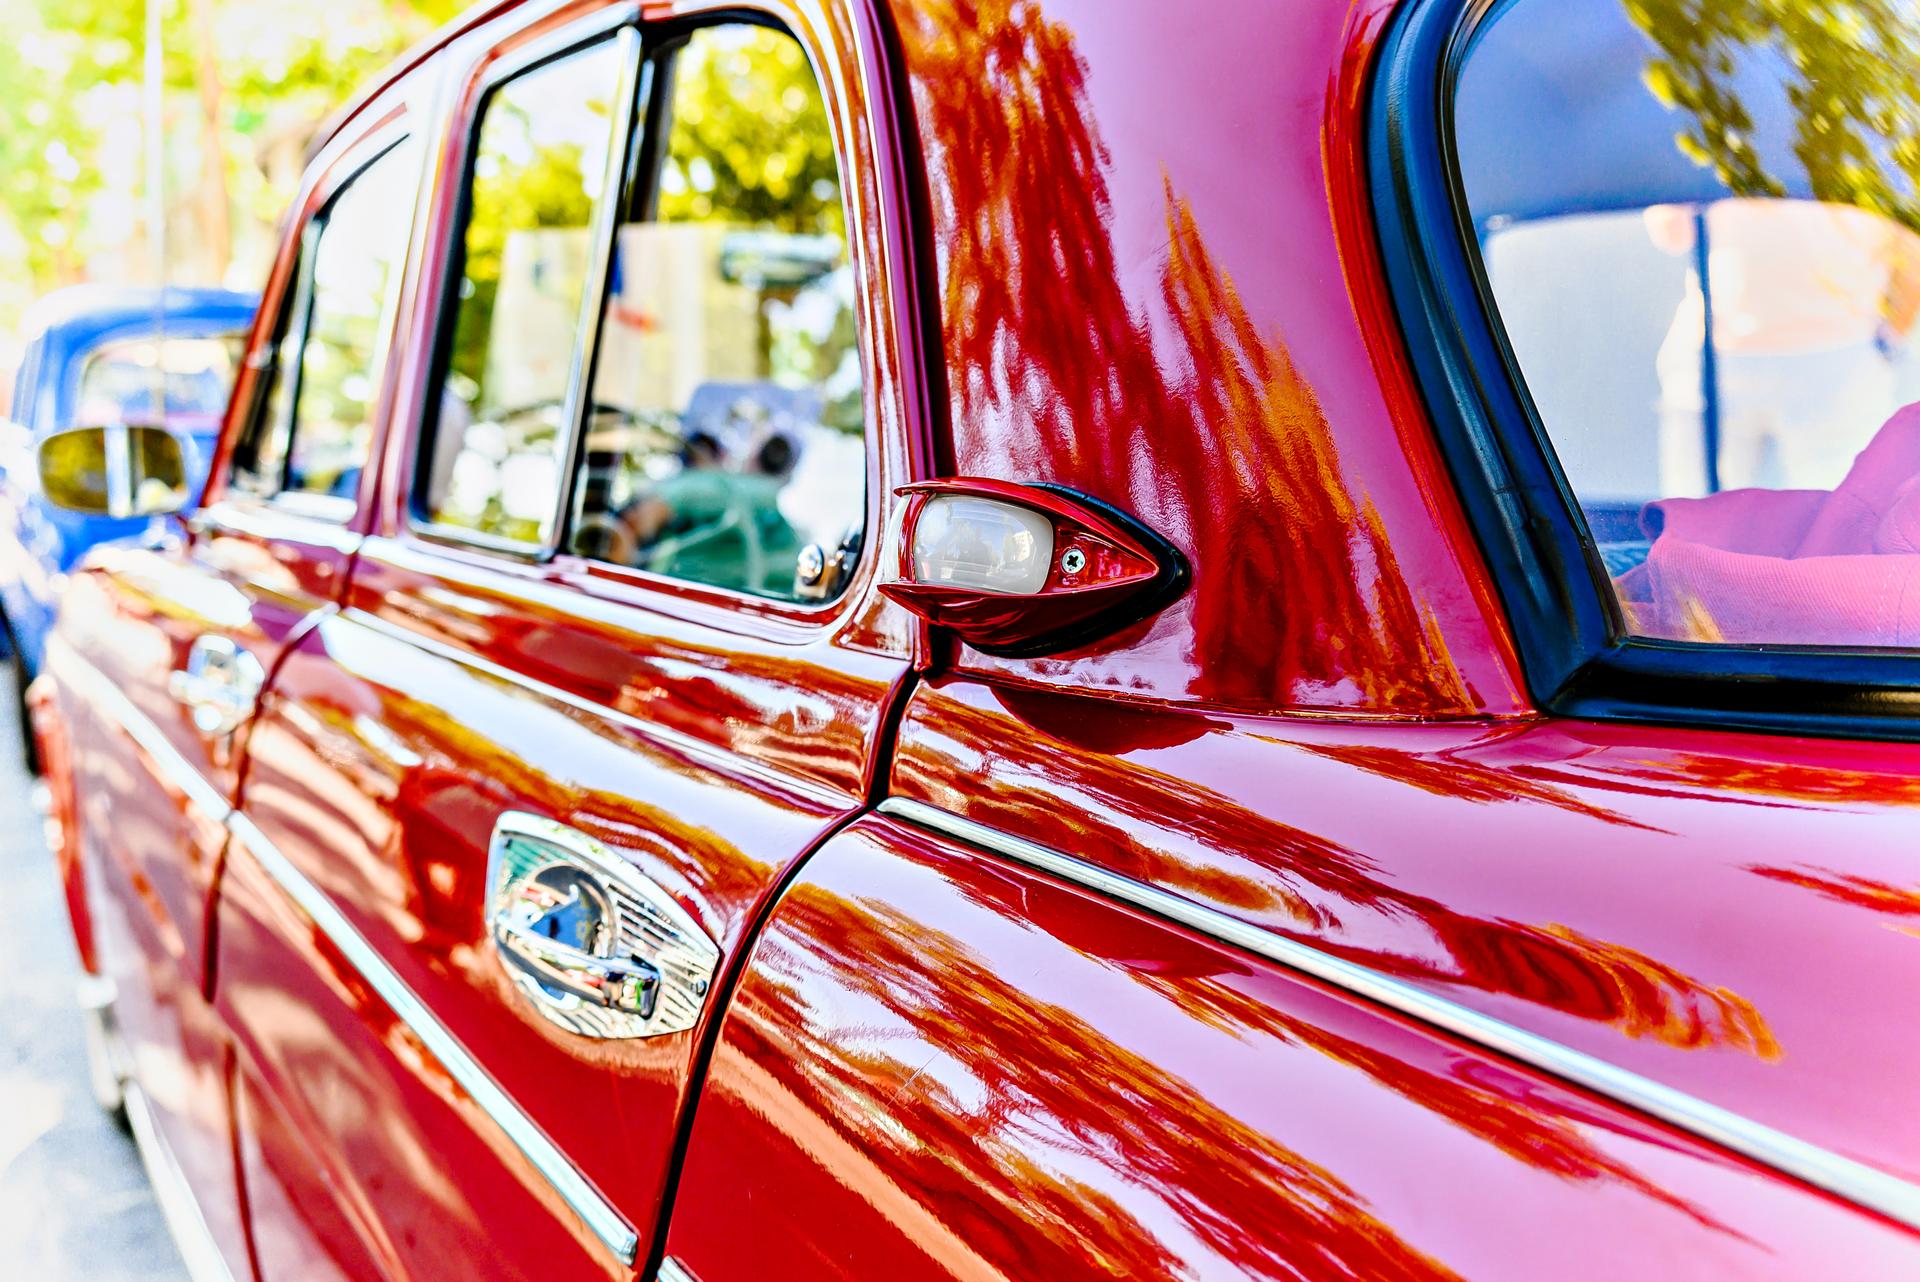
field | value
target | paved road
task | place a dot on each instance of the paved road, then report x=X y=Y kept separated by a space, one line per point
x=74 y=1202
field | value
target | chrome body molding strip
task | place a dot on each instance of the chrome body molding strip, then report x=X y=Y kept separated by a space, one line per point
x=1843 y=1177
x=594 y=1210
x=178 y=1206
x=112 y=702
x=671 y=1270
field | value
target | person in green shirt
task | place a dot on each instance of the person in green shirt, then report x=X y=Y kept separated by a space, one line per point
x=714 y=525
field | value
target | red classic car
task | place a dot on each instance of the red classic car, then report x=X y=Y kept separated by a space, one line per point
x=1038 y=639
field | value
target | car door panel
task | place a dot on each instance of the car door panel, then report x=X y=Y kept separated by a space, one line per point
x=940 y=1063
x=700 y=740
x=150 y=797
x=1601 y=886
x=299 y=1228
x=364 y=1156
x=392 y=744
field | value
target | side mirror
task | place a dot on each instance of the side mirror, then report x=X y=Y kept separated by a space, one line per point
x=114 y=471
x=1027 y=570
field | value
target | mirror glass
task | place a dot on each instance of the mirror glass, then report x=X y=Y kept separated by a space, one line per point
x=964 y=541
x=114 y=471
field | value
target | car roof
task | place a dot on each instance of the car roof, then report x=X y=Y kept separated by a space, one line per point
x=73 y=321
x=75 y=316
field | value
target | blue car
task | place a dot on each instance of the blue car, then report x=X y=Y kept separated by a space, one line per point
x=90 y=360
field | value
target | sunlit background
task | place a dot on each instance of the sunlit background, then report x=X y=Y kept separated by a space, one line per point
x=244 y=86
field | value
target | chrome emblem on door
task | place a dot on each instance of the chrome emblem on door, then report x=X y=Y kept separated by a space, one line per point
x=595 y=946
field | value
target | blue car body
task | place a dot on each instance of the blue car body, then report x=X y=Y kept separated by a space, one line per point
x=39 y=543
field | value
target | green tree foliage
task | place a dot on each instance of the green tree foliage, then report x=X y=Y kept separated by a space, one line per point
x=71 y=67
x=1853 y=85
x=46 y=142
x=749 y=143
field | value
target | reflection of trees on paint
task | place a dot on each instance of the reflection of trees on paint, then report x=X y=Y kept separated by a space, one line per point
x=1851 y=86
x=1538 y=1136
x=1051 y=366
x=985 y=1100
x=1172 y=832
x=999 y=1161
x=1720 y=775
x=458 y=775
x=1870 y=893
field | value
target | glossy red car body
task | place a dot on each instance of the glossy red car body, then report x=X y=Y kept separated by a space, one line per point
x=1327 y=849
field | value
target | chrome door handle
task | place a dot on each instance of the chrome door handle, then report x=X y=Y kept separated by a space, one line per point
x=594 y=945
x=220 y=684
x=531 y=932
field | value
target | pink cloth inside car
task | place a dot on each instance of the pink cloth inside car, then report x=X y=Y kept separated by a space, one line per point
x=1791 y=567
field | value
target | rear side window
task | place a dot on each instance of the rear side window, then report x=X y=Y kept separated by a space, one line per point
x=1698 y=229
x=315 y=426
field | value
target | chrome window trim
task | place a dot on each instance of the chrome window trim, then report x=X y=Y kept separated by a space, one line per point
x=635 y=80
x=1852 y=1181
x=179 y=1208
x=594 y=1211
x=671 y=1270
x=598 y=1214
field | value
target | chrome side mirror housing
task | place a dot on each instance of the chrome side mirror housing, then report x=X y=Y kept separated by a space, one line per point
x=118 y=471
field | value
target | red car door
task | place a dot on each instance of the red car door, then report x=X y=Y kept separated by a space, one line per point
x=163 y=647
x=1278 y=935
x=955 y=1055
x=610 y=664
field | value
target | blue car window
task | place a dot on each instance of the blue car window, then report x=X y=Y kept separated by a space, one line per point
x=121 y=381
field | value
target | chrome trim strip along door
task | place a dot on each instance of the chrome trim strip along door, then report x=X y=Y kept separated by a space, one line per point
x=671 y=1270
x=1841 y=1176
x=594 y=1210
x=178 y=1206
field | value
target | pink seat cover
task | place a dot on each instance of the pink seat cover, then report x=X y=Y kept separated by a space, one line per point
x=1791 y=567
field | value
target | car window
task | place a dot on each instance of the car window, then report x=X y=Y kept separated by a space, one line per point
x=315 y=428
x=1700 y=237
x=725 y=440
x=540 y=164
x=121 y=381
